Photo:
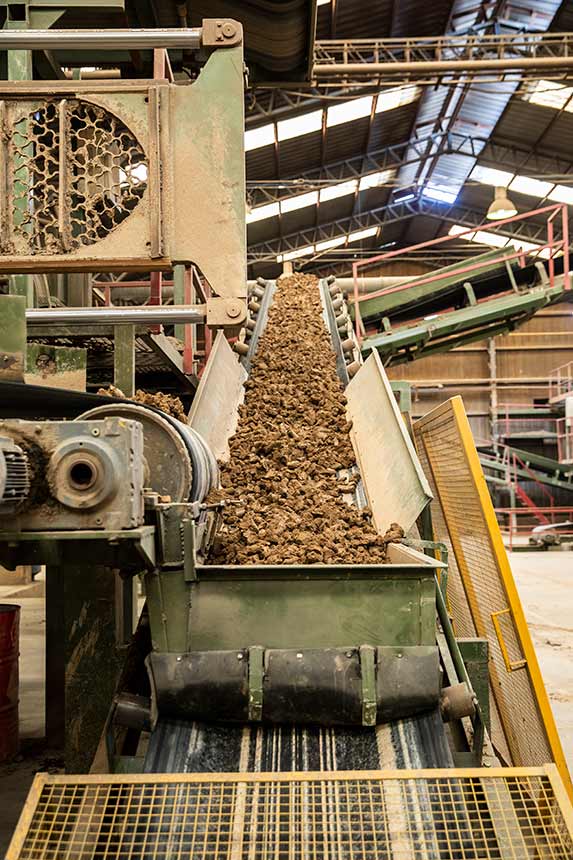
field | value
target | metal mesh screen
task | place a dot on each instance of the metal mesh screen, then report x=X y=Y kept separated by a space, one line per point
x=481 y=590
x=74 y=173
x=458 y=605
x=413 y=815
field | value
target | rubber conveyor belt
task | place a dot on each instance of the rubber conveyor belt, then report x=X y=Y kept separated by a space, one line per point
x=189 y=747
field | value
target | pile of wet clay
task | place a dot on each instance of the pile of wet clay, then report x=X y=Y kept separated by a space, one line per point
x=166 y=402
x=283 y=496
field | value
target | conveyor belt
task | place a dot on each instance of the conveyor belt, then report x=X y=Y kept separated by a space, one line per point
x=180 y=747
x=19 y=400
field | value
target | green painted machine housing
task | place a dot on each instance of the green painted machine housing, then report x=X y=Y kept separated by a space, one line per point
x=332 y=644
x=294 y=607
x=311 y=606
x=12 y=337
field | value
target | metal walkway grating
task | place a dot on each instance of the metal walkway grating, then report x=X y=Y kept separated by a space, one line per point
x=387 y=815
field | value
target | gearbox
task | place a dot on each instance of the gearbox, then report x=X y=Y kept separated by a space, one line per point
x=66 y=475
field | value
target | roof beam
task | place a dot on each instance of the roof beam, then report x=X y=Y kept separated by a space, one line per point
x=391 y=213
x=386 y=61
x=370 y=162
x=501 y=155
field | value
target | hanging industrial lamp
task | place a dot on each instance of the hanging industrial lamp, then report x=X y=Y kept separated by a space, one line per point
x=501 y=207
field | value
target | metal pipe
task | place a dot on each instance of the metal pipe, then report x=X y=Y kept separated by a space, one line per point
x=372 y=284
x=139 y=290
x=88 y=40
x=94 y=75
x=148 y=315
x=328 y=70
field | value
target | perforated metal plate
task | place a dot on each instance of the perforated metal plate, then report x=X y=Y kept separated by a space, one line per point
x=481 y=591
x=390 y=815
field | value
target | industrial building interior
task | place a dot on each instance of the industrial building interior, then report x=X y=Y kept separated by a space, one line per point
x=286 y=429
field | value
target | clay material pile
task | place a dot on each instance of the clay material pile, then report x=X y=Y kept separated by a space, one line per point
x=166 y=402
x=283 y=497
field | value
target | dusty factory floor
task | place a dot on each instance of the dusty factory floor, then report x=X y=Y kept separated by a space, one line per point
x=545 y=583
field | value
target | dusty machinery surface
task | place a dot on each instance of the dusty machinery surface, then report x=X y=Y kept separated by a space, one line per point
x=287 y=708
x=130 y=175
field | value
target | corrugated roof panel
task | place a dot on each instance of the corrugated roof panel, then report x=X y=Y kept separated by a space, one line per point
x=300 y=153
x=346 y=140
x=362 y=19
x=527 y=124
x=261 y=163
x=393 y=127
x=420 y=18
x=334 y=210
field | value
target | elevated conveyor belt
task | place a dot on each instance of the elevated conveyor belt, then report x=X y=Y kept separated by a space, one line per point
x=178 y=746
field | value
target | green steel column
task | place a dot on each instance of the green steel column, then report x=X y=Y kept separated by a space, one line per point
x=124 y=359
x=179 y=295
x=83 y=658
x=19 y=66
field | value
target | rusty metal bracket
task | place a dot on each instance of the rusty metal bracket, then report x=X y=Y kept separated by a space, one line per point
x=510 y=665
x=221 y=33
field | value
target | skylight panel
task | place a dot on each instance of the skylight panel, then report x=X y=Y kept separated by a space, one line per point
x=561 y=194
x=363 y=234
x=491 y=176
x=375 y=180
x=549 y=94
x=294 y=255
x=532 y=187
x=439 y=193
x=298 y=125
x=299 y=201
x=493 y=239
x=456 y=229
x=331 y=243
x=341 y=189
x=259 y=213
x=348 y=111
x=391 y=99
x=522 y=245
x=257 y=137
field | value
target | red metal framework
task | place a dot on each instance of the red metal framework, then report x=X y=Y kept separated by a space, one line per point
x=565 y=440
x=196 y=289
x=561 y=382
x=553 y=246
x=512 y=528
x=510 y=424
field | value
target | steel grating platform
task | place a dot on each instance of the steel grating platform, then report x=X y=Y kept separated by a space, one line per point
x=471 y=814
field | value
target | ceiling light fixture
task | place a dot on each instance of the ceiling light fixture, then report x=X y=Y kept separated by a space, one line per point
x=501 y=206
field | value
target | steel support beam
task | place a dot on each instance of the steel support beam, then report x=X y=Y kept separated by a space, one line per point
x=384 y=215
x=536 y=163
x=389 y=59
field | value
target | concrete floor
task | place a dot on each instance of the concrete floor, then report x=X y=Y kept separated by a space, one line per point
x=545 y=583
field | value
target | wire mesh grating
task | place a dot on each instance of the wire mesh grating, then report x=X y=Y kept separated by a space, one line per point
x=481 y=591
x=389 y=815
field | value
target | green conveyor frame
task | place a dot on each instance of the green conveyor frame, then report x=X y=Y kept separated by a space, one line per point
x=455 y=328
